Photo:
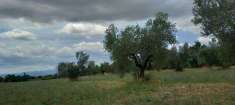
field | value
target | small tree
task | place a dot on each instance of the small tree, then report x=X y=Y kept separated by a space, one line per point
x=184 y=55
x=194 y=58
x=82 y=59
x=63 y=69
x=92 y=68
x=72 y=70
x=105 y=67
x=82 y=62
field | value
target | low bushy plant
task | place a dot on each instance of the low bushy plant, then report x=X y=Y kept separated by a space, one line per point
x=73 y=72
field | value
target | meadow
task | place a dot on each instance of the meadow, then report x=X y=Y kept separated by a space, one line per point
x=191 y=87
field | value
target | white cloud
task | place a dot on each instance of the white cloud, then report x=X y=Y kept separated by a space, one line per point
x=65 y=50
x=185 y=24
x=28 y=50
x=43 y=51
x=26 y=68
x=83 y=29
x=90 y=46
x=18 y=34
x=177 y=45
x=205 y=39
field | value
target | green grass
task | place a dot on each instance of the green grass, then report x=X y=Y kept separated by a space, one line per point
x=192 y=87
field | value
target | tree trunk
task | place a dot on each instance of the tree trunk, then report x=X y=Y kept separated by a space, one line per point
x=141 y=74
x=140 y=65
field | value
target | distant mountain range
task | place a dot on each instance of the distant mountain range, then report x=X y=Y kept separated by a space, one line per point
x=35 y=73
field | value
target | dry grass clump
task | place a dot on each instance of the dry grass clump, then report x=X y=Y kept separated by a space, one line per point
x=195 y=94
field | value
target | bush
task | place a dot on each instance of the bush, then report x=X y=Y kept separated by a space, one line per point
x=179 y=68
x=73 y=72
x=1 y=79
x=179 y=65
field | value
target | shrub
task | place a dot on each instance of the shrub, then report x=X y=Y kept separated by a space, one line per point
x=73 y=72
x=1 y=79
x=179 y=68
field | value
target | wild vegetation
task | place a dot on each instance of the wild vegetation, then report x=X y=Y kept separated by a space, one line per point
x=216 y=18
x=190 y=74
x=191 y=87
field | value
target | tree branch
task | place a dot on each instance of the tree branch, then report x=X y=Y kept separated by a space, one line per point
x=137 y=63
x=147 y=61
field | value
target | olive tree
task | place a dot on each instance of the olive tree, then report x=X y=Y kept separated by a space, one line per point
x=141 y=46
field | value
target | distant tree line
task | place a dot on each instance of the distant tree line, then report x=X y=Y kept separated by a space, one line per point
x=194 y=56
x=69 y=69
x=82 y=67
x=25 y=77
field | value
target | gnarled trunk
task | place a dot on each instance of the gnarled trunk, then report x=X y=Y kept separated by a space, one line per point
x=141 y=74
x=142 y=65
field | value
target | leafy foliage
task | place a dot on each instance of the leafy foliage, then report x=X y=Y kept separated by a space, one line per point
x=105 y=67
x=82 y=59
x=216 y=17
x=194 y=56
x=83 y=67
x=141 y=46
x=63 y=69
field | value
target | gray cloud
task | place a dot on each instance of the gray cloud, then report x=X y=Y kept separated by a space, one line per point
x=91 y=10
x=81 y=24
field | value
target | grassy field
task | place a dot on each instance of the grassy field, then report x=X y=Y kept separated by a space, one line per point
x=192 y=87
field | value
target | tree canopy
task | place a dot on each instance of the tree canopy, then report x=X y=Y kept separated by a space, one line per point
x=216 y=17
x=140 y=45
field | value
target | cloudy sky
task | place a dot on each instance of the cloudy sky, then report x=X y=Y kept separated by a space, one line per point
x=37 y=34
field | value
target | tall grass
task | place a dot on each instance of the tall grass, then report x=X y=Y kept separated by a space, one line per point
x=191 y=87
